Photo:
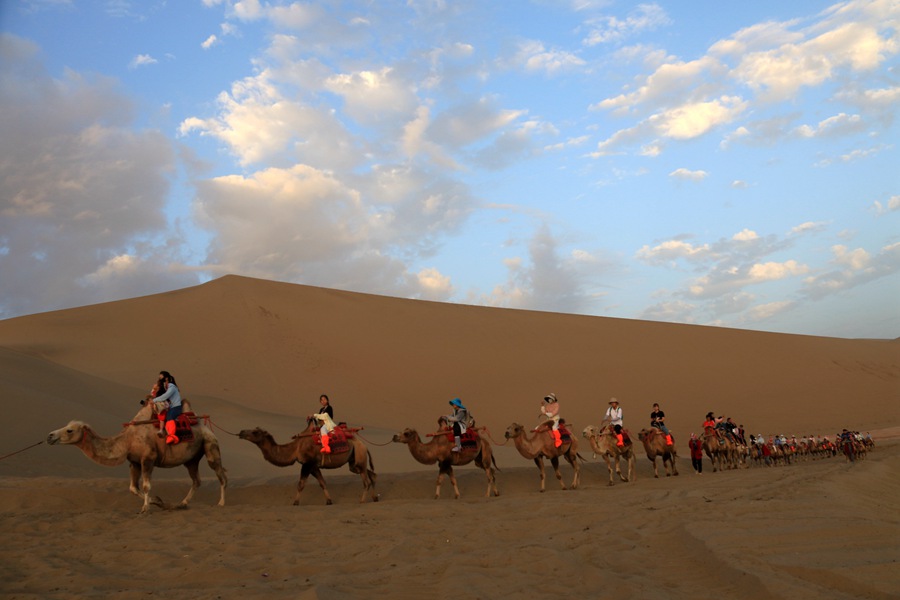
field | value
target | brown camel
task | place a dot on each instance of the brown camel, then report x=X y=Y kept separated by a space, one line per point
x=603 y=443
x=720 y=451
x=144 y=450
x=439 y=450
x=304 y=449
x=656 y=445
x=542 y=445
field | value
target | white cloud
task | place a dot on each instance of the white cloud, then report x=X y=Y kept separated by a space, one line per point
x=838 y=125
x=892 y=205
x=81 y=194
x=853 y=268
x=646 y=17
x=688 y=175
x=142 y=60
x=209 y=42
x=533 y=56
x=673 y=250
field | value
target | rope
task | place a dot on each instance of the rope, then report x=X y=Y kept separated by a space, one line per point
x=22 y=450
x=490 y=437
x=391 y=441
x=210 y=421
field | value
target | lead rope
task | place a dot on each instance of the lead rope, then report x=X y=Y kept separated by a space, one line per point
x=22 y=450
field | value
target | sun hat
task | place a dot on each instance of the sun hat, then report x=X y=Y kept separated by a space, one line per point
x=551 y=397
x=456 y=402
x=611 y=400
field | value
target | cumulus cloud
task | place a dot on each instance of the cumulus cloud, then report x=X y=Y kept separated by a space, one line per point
x=853 y=267
x=892 y=205
x=81 y=193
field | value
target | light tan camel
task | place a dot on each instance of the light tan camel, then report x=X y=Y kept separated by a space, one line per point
x=656 y=446
x=439 y=450
x=603 y=443
x=144 y=450
x=541 y=445
x=305 y=450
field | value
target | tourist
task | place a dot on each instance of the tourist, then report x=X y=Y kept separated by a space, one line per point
x=172 y=396
x=550 y=410
x=696 y=447
x=460 y=420
x=614 y=417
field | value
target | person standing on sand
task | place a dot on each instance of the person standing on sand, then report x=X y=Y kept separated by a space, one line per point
x=614 y=417
x=696 y=447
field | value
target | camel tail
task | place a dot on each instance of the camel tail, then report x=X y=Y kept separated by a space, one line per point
x=580 y=457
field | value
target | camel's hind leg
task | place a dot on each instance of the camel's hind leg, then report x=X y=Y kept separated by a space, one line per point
x=193 y=468
x=214 y=460
x=573 y=460
x=486 y=461
x=555 y=462
x=359 y=463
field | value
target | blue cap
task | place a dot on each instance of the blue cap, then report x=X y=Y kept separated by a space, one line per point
x=456 y=402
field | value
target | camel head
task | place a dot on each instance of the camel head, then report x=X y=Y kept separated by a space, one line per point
x=70 y=434
x=590 y=431
x=405 y=436
x=255 y=436
x=514 y=431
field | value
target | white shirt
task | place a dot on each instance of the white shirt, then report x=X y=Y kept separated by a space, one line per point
x=614 y=415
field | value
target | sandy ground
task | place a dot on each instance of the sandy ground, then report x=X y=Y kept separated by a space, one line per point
x=824 y=529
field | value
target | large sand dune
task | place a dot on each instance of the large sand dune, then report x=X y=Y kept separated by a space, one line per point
x=258 y=353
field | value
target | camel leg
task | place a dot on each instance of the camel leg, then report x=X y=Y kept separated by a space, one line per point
x=214 y=460
x=631 y=464
x=540 y=465
x=652 y=459
x=555 y=462
x=609 y=467
x=672 y=458
x=573 y=460
x=485 y=460
x=146 y=470
x=317 y=473
x=135 y=479
x=193 y=468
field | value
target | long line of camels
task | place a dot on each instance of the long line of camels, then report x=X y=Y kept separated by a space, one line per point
x=139 y=445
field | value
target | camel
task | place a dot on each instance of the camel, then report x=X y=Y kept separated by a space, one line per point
x=439 y=450
x=655 y=445
x=720 y=451
x=304 y=449
x=603 y=442
x=542 y=445
x=144 y=450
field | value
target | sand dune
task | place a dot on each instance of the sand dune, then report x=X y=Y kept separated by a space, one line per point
x=258 y=353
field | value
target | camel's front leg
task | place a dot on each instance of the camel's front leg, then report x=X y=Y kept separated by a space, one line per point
x=655 y=468
x=609 y=467
x=555 y=462
x=146 y=470
x=301 y=483
x=540 y=465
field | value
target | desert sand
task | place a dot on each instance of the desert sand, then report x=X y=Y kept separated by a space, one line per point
x=251 y=353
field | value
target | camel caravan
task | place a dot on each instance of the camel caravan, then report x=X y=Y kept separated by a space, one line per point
x=166 y=433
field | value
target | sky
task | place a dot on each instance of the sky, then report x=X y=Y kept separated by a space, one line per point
x=682 y=161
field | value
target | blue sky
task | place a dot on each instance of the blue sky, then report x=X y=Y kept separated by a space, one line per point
x=668 y=161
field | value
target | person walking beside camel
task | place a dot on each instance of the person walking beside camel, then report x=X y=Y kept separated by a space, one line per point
x=696 y=447
x=614 y=417
x=550 y=410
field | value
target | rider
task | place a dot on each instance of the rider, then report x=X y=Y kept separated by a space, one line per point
x=460 y=420
x=614 y=416
x=550 y=410
x=658 y=420
x=326 y=417
x=172 y=396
